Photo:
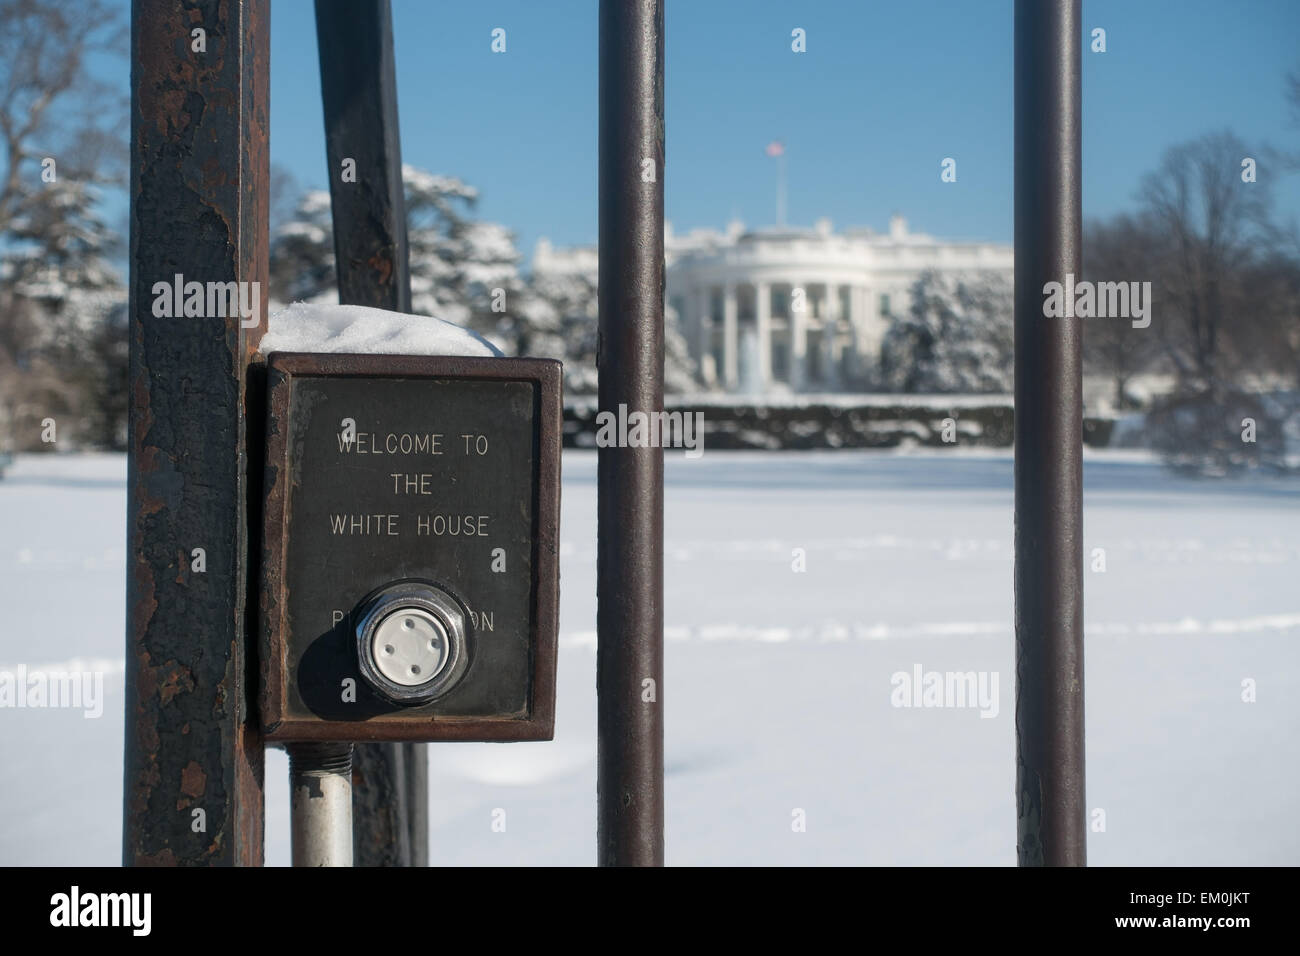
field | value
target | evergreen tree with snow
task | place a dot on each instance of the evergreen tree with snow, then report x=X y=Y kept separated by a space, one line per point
x=956 y=336
x=302 y=253
x=568 y=300
x=467 y=271
x=58 y=292
x=680 y=371
x=462 y=269
x=57 y=258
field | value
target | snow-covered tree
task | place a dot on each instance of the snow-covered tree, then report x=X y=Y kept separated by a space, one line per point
x=467 y=271
x=462 y=269
x=57 y=260
x=563 y=302
x=573 y=300
x=957 y=336
x=680 y=371
x=302 y=253
x=58 y=291
x=60 y=141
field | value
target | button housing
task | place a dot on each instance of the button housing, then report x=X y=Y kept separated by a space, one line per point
x=392 y=476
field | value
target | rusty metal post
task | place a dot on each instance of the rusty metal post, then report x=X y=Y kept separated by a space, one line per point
x=199 y=177
x=1050 y=807
x=629 y=574
x=359 y=93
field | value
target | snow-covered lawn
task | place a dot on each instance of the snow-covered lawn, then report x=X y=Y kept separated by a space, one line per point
x=779 y=683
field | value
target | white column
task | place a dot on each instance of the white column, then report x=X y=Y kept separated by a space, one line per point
x=799 y=338
x=763 y=326
x=729 y=343
x=859 y=312
x=703 y=306
x=870 y=332
x=830 y=326
x=860 y=321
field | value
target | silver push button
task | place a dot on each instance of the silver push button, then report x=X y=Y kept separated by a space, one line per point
x=411 y=642
x=410 y=646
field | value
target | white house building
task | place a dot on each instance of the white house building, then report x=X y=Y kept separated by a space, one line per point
x=793 y=309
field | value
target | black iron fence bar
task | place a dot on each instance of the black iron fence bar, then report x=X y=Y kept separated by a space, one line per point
x=629 y=574
x=199 y=174
x=1048 y=440
x=390 y=812
x=359 y=90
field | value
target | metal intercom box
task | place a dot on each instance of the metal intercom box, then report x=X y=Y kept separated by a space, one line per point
x=410 y=576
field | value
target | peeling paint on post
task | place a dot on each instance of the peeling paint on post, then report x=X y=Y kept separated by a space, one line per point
x=199 y=177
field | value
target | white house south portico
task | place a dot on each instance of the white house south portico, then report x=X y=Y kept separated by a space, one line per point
x=802 y=309
x=788 y=308
x=774 y=308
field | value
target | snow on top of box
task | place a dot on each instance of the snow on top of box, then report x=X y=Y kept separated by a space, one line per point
x=312 y=327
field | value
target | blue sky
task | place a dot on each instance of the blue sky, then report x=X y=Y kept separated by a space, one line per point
x=884 y=92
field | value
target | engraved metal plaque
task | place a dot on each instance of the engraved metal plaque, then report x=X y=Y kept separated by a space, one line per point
x=410 y=538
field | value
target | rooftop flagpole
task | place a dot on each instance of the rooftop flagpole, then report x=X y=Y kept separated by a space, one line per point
x=777 y=148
